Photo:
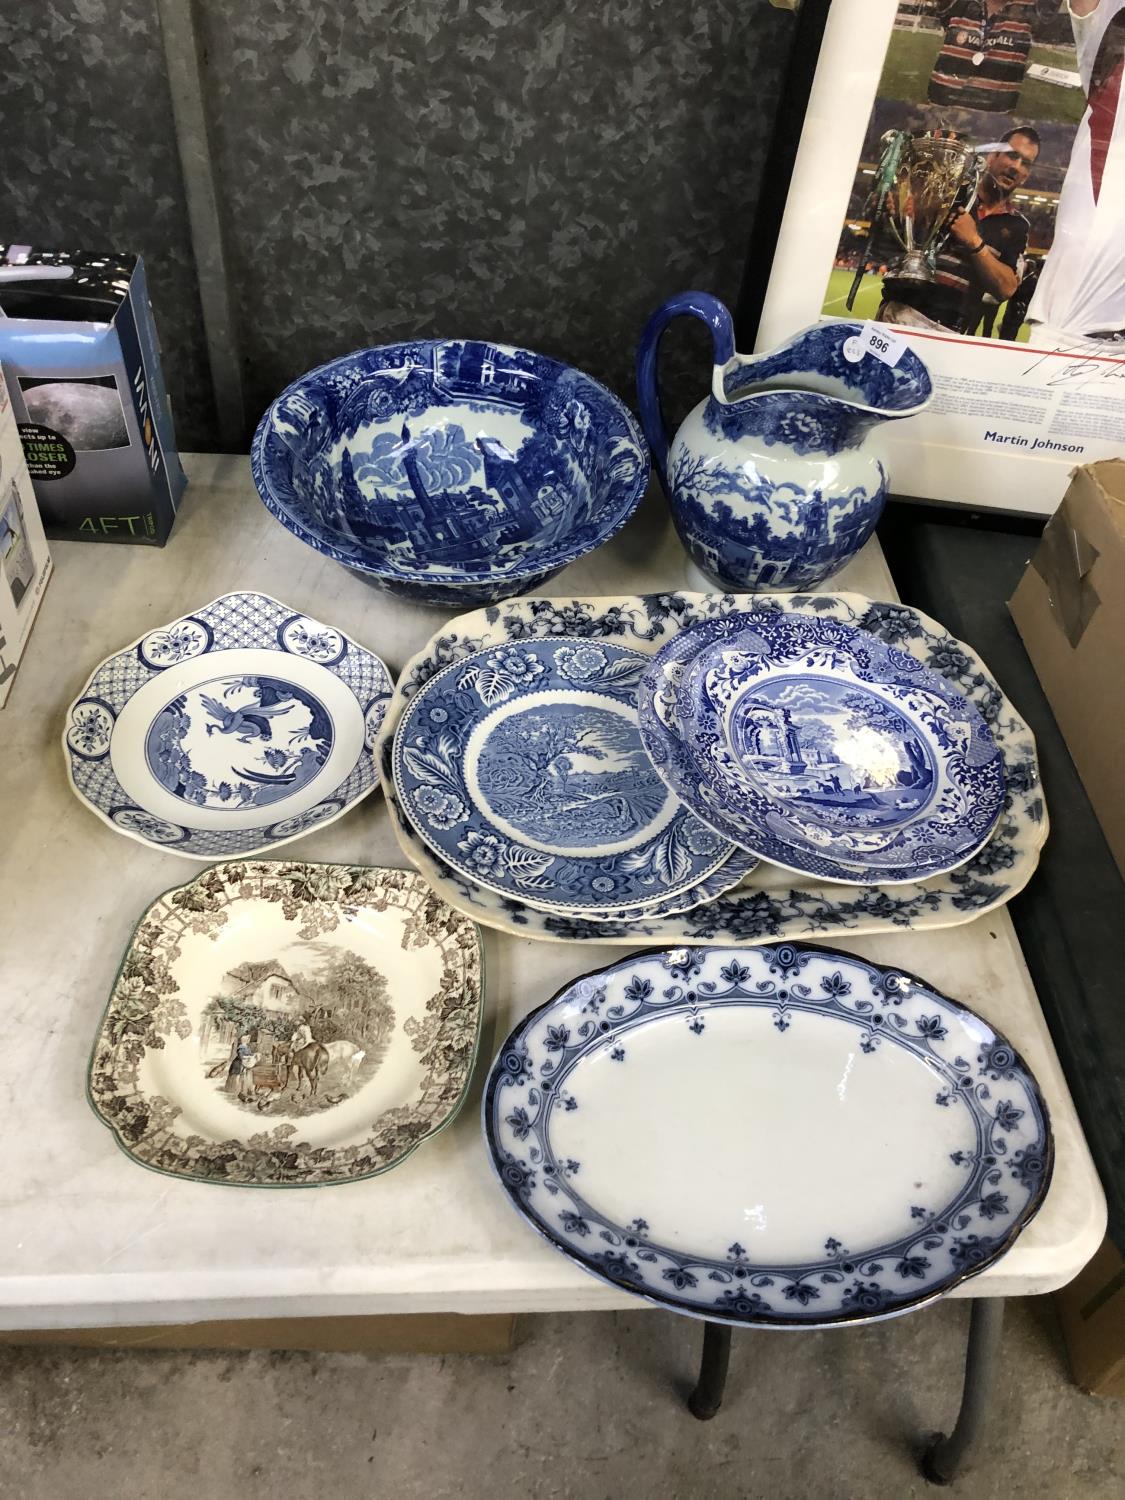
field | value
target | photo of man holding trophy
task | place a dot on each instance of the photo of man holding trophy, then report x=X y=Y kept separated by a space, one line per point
x=961 y=179
x=948 y=207
x=966 y=225
x=953 y=206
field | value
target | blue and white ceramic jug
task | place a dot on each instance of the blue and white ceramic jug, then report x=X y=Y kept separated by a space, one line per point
x=775 y=478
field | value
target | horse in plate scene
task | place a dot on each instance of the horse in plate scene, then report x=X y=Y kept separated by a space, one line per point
x=308 y=1063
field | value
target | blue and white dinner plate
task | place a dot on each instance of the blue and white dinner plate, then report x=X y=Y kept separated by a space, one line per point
x=782 y=1136
x=228 y=732
x=821 y=748
x=523 y=769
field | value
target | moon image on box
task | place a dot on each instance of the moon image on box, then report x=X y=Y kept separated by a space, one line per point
x=88 y=415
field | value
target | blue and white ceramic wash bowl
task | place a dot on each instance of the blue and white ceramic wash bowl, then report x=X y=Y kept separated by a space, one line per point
x=452 y=472
x=821 y=748
x=228 y=732
x=523 y=769
x=775 y=479
x=779 y=1136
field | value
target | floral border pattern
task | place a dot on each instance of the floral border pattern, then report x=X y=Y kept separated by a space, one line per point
x=431 y=779
x=1005 y=1151
x=145 y=1009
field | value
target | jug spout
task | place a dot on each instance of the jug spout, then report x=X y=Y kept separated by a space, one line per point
x=809 y=396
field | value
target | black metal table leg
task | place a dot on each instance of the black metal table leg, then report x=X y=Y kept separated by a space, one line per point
x=707 y=1397
x=944 y=1456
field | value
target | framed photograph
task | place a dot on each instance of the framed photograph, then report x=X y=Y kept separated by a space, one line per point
x=960 y=177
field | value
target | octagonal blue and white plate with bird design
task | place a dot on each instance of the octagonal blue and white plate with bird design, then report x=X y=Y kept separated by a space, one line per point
x=229 y=731
x=781 y=1136
x=523 y=769
x=821 y=748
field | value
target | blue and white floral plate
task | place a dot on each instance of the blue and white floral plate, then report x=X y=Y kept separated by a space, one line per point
x=769 y=905
x=821 y=748
x=783 y=1136
x=523 y=769
x=228 y=732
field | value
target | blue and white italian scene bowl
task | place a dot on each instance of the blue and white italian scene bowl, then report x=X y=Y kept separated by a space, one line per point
x=452 y=472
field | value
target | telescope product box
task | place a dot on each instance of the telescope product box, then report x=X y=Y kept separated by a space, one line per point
x=79 y=351
x=25 y=563
x=1069 y=607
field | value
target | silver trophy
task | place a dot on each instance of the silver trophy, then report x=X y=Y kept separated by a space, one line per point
x=922 y=183
x=930 y=180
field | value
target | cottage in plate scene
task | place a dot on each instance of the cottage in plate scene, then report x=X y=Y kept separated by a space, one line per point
x=296 y=1041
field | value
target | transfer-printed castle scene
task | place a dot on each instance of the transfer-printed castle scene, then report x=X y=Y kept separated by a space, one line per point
x=834 y=748
x=296 y=1034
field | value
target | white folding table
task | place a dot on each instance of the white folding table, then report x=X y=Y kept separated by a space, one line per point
x=88 y=1238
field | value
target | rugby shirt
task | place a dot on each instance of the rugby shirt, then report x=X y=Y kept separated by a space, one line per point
x=1082 y=288
x=1000 y=43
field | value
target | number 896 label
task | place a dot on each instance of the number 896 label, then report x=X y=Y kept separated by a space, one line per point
x=874 y=339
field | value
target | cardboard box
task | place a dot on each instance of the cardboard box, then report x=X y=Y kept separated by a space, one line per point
x=25 y=563
x=1070 y=610
x=1092 y=1313
x=79 y=351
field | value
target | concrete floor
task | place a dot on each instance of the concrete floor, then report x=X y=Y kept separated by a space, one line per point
x=586 y=1406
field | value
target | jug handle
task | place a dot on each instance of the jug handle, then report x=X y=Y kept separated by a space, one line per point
x=698 y=305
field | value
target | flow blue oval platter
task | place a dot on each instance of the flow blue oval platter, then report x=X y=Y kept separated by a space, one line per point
x=821 y=748
x=455 y=472
x=228 y=732
x=523 y=769
x=782 y=1136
